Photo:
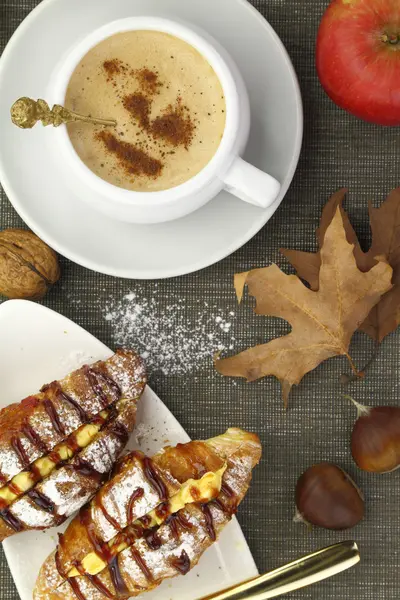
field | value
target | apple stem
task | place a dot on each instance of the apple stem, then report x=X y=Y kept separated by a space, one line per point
x=392 y=39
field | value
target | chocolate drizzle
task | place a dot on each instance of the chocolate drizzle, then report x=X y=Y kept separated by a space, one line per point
x=178 y=520
x=135 y=496
x=181 y=563
x=73 y=582
x=11 y=520
x=53 y=416
x=84 y=417
x=225 y=489
x=102 y=549
x=112 y=384
x=84 y=468
x=120 y=431
x=145 y=520
x=34 y=438
x=59 y=567
x=154 y=479
x=209 y=524
x=140 y=563
x=162 y=510
x=152 y=539
x=129 y=535
x=18 y=448
x=99 y=585
x=116 y=577
x=229 y=507
x=96 y=379
x=93 y=380
x=173 y=526
x=107 y=516
x=42 y=501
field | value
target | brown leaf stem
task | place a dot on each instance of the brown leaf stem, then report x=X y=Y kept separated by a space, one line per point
x=347 y=379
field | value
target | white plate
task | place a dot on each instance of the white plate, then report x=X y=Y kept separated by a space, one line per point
x=39 y=345
x=50 y=203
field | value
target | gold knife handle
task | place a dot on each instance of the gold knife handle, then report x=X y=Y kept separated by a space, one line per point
x=295 y=575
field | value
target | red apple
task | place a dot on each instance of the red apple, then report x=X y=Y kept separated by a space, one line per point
x=358 y=58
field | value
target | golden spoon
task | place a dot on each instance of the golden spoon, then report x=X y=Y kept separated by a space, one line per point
x=25 y=113
x=296 y=575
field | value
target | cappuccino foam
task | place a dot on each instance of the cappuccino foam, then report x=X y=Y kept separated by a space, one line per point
x=168 y=103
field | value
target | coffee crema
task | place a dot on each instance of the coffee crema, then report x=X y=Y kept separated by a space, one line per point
x=168 y=103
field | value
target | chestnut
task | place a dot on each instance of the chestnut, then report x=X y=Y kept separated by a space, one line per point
x=326 y=496
x=375 y=440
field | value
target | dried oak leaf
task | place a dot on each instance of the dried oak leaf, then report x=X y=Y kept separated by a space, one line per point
x=28 y=267
x=385 y=226
x=323 y=321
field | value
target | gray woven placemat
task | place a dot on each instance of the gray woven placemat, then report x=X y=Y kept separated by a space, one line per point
x=338 y=150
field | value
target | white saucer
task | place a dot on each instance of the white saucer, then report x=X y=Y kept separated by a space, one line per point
x=39 y=345
x=49 y=201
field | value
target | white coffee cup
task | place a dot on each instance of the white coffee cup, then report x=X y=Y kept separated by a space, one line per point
x=226 y=170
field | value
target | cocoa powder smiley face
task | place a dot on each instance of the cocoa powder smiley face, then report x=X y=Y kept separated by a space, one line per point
x=168 y=103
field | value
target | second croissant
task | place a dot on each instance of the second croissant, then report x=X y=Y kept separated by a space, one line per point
x=152 y=521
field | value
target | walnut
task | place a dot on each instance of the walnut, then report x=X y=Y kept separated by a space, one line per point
x=28 y=267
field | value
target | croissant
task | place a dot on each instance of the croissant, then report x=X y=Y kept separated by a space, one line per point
x=153 y=520
x=58 y=446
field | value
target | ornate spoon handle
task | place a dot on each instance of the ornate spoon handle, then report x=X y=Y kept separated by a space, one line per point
x=25 y=113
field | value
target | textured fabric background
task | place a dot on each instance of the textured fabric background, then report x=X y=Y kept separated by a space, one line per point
x=338 y=151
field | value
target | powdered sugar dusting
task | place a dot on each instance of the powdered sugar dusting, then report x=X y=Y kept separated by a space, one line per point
x=116 y=501
x=168 y=339
x=10 y=464
x=159 y=561
x=30 y=514
x=102 y=452
x=65 y=490
x=107 y=531
x=238 y=473
x=50 y=572
x=132 y=572
x=88 y=591
x=128 y=370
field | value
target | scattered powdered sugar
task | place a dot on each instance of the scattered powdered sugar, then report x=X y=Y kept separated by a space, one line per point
x=75 y=359
x=141 y=432
x=172 y=337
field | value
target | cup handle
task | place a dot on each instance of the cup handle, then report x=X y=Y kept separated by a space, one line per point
x=251 y=184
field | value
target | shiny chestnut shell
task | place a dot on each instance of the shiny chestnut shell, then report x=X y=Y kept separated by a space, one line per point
x=327 y=497
x=375 y=441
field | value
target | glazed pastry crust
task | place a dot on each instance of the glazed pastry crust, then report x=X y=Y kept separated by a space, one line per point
x=113 y=385
x=181 y=539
